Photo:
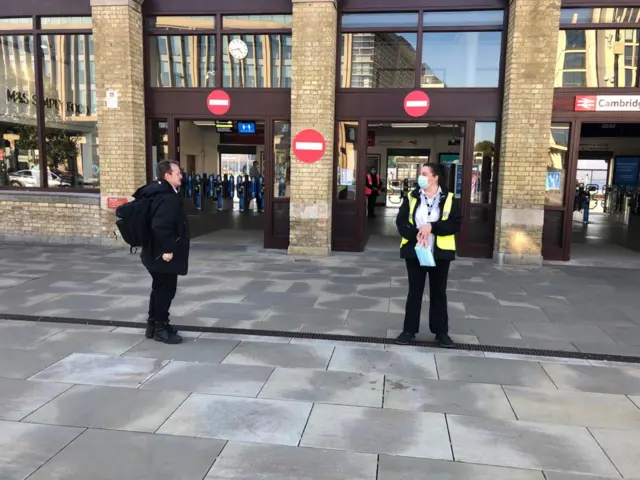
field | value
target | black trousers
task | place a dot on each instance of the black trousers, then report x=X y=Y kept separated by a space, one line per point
x=163 y=291
x=371 y=204
x=438 y=315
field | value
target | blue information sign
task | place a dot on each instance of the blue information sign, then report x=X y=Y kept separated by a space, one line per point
x=626 y=171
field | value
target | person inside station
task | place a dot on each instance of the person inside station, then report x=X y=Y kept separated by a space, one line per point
x=372 y=190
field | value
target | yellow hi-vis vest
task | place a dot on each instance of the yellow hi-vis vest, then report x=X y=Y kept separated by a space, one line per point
x=446 y=242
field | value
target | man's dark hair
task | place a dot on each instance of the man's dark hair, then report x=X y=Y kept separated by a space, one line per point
x=255 y=162
x=164 y=167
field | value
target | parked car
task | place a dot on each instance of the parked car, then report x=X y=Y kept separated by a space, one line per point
x=31 y=179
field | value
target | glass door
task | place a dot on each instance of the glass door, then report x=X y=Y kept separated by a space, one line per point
x=277 y=172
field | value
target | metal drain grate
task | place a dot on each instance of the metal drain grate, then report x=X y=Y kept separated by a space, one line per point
x=340 y=338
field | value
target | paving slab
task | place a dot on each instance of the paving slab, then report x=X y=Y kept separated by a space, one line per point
x=400 y=468
x=20 y=337
x=617 y=380
x=374 y=430
x=407 y=363
x=68 y=342
x=343 y=388
x=109 y=455
x=622 y=448
x=21 y=364
x=101 y=370
x=529 y=445
x=577 y=333
x=18 y=398
x=239 y=419
x=236 y=380
x=415 y=394
x=574 y=408
x=109 y=408
x=575 y=476
x=492 y=371
x=24 y=448
x=190 y=350
x=278 y=355
x=246 y=461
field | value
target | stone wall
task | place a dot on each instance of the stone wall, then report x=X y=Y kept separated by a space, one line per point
x=526 y=121
x=313 y=106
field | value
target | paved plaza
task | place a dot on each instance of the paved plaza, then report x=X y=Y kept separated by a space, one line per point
x=566 y=308
x=94 y=402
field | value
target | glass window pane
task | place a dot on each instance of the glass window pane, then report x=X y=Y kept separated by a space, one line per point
x=346 y=174
x=378 y=60
x=597 y=58
x=281 y=159
x=182 y=23
x=484 y=154
x=374 y=20
x=461 y=59
x=489 y=18
x=159 y=144
x=19 y=156
x=257 y=61
x=182 y=61
x=66 y=23
x=600 y=15
x=16 y=24
x=256 y=22
x=557 y=165
x=71 y=127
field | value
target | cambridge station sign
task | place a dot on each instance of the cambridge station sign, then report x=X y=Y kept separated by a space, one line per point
x=607 y=103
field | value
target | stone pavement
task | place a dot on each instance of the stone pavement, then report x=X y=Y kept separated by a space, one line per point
x=90 y=402
x=231 y=284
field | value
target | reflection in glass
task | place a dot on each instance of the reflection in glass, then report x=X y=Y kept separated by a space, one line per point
x=182 y=23
x=378 y=60
x=66 y=23
x=71 y=127
x=16 y=24
x=346 y=179
x=182 y=61
x=281 y=159
x=159 y=144
x=488 y=18
x=461 y=59
x=484 y=154
x=256 y=22
x=18 y=133
x=267 y=63
x=597 y=58
x=557 y=164
x=375 y=20
x=600 y=15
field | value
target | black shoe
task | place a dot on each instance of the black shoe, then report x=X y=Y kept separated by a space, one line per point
x=151 y=328
x=445 y=341
x=166 y=334
x=405 y=338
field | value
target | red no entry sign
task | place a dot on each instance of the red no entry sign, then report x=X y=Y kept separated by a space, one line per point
x=416 y=103
x=218 y=102
x=309 y=146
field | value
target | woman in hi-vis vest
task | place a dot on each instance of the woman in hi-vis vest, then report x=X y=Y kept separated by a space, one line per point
x=429 y=216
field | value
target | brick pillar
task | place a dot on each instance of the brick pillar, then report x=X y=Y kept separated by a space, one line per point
x=118 y=50
x=313 y=106
x=526 y=121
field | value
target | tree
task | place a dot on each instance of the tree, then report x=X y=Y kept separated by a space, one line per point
x=487 y=148
x=61 y=148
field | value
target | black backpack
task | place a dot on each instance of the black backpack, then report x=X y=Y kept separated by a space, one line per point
x=133 y=219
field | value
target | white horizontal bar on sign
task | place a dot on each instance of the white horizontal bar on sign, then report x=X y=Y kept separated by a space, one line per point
x=309 y=146
x=215 y=102
x=416 y=103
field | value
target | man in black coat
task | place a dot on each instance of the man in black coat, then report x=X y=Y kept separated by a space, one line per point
x=167 y=254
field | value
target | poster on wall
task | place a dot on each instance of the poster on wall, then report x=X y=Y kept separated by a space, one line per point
x=626 y=170
x=553 y=181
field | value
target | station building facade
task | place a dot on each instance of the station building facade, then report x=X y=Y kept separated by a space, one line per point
x=93 y=93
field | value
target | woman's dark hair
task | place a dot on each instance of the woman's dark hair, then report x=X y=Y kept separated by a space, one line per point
x=439 y=171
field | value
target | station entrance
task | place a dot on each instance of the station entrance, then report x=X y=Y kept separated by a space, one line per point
x=606 y=204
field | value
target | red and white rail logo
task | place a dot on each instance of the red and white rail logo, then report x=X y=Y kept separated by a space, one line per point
x=585 y=103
